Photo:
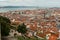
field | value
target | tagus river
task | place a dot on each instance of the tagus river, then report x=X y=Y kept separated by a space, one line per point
x=12 y=9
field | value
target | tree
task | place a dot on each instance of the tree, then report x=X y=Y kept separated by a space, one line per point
x=4 y=19
x=22 y=28
x=5 y=26
x=5 y=29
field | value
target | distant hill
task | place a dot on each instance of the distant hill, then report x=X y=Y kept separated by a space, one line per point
x=29 y=7
x=19 y=7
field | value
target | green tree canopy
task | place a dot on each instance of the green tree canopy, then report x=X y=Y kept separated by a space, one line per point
x=5 y=26
x=22 y=28
x=4 y=19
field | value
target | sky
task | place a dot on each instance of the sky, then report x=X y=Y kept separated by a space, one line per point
x=41 y=3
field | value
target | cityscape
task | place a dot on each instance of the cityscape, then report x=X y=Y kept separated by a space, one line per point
x=39 y=24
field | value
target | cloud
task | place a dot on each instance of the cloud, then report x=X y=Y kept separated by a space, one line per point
x=2 y=0
x=31 y=2
x=21 y=2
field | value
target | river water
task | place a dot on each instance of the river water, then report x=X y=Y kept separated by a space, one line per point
x=12 y=9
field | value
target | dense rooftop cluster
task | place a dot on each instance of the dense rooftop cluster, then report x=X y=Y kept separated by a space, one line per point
x=43 y=21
